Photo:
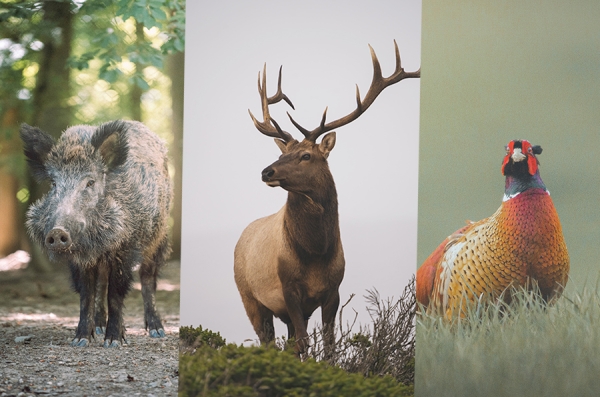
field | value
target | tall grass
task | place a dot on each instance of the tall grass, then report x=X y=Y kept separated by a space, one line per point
x=525 y=349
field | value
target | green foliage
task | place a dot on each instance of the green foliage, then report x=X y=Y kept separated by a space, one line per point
x=375 y=361
x=122 y=43
x=190 y=337
x=526 y=348
x=107 y=35
x=266 y=371
x=114 y=40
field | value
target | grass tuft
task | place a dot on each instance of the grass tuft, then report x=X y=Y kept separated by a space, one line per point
x=525 y=348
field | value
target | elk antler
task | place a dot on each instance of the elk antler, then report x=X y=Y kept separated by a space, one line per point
x=378 y=84
x=266 y=127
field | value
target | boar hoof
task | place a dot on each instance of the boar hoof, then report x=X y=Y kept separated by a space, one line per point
x=100 y=330
x=157 y=333
x=112 y=344
x=83 y=342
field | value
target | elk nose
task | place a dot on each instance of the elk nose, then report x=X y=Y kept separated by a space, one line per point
x=267 y=174
x=58 y=239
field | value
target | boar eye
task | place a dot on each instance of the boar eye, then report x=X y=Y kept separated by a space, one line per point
x=52 y=183
x=306 y=156
x=90 y=183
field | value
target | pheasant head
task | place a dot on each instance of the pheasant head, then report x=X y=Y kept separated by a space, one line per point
x=521 y=168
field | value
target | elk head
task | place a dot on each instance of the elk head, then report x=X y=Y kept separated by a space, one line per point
x=302 y=164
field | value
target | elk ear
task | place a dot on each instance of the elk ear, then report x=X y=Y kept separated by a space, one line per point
x=327 y=144
x=36 y=146
x=281 y=145
x=109 y=139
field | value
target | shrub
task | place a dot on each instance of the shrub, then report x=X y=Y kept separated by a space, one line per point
x=378 y=360
x=386 y=347
x=266 y=371
x=190 y=338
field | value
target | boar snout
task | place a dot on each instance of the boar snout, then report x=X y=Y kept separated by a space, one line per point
x=58 y=239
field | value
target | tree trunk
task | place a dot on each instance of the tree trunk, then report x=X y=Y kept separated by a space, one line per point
x=12 y=228
x=136 y=92
x=175 y=70
x=50 y=109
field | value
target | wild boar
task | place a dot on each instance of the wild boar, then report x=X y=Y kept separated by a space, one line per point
x=105 y=213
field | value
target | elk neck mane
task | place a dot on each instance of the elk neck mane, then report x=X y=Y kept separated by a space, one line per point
x=311 y=221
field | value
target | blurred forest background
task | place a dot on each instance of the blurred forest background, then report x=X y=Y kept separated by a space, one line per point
x=70 y=62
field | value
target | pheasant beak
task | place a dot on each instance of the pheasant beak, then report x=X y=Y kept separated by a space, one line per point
x=518 y=155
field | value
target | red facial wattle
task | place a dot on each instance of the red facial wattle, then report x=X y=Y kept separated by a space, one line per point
x=509 y=152
x=527 y=150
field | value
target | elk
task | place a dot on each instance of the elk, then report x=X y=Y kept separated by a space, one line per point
x=290 y=263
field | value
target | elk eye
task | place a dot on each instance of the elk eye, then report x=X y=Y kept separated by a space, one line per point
x=90 y=183
x=306 y=156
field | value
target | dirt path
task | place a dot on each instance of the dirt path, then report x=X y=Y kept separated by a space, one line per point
x=47 y=365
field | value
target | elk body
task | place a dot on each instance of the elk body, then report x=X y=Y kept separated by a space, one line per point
x=290 y=263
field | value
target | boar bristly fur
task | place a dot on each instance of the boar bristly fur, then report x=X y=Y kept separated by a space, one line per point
x=106 y=212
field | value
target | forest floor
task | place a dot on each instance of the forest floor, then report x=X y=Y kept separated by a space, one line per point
x=47 y=309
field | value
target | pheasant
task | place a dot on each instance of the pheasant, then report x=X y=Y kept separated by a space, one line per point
x=521 y=242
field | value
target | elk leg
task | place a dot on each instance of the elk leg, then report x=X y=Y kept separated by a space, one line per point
x=294 y=308
x=260 y=317
x=84 y=282
x=328 y=312
x=291 y=330
x=119 y=282
x=101 y=297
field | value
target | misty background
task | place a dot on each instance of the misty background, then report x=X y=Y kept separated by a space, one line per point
x=323 y=48
x=496 y=71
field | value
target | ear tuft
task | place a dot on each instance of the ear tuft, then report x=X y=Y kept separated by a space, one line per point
x=537 y=149
x=109 y=139
x=36 y=146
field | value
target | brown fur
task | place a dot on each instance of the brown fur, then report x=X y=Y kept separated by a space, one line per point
x=290 y=263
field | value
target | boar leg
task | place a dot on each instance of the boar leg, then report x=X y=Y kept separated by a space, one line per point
x=101 y=297
x=84 y=282
x=119 y=282
x=148 y=275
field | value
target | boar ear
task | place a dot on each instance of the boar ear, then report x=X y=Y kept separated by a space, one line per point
x=109 y=139
x=36 y=145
